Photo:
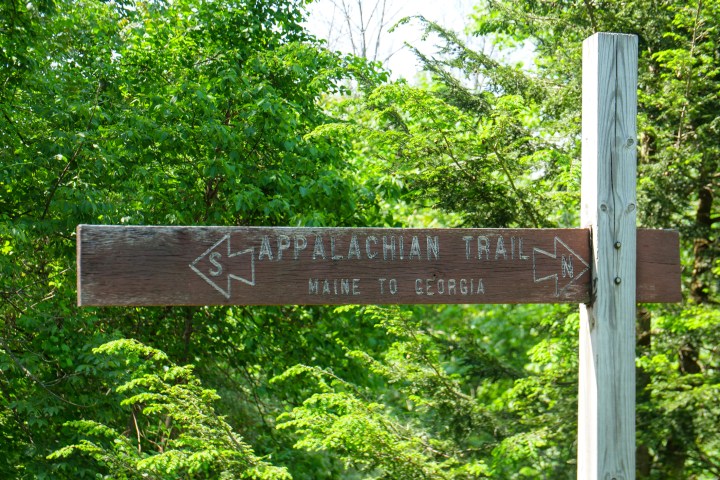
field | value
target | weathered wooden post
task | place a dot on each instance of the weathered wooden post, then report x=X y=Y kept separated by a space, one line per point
x=606 y=416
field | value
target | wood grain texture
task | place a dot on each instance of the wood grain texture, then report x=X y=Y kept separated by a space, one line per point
x=139 y=266
x=658 y=274
x=606 y=418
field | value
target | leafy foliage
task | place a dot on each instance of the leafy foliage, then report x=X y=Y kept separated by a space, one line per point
x=441 y=402
x=195 y=112
x=150 y=113
x=178 y=433
x=504 y=171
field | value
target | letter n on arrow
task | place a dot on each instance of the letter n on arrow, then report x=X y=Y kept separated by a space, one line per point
x=567 y=266
x=216 y=265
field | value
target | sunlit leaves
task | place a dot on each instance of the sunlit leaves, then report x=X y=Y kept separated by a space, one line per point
x=677 y=111
x=177 y=432
x=152 y=113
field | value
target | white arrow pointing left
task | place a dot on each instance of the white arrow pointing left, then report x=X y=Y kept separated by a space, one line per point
x=214 y=264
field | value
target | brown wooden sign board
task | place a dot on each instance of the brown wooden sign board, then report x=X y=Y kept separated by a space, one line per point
x=143 y=266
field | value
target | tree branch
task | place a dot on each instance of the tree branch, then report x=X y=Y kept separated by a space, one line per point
x=688 y=81
x=72 y=159
x=32 y=376
x=591 y=15
x=528 y=208
x=17 y=132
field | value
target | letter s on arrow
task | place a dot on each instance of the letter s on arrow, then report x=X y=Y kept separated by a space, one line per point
x=214 y=256
x=213 y=262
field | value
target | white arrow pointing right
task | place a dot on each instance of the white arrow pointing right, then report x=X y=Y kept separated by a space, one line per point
x=567 y=266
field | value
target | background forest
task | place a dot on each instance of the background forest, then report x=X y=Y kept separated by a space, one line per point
x=199 y=112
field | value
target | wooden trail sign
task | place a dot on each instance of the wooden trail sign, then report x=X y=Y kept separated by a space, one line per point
x=303 y=266
x=606 y=267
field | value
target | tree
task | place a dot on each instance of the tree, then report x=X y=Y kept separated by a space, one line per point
x=456 y=145
x=153 y=113
x=362 y=24
x=177 y=431
x=460 y=392
x=197 y=112
x=677 y=78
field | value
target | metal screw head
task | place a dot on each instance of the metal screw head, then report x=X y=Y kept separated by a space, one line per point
x=618 y=280
x=618 y=245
